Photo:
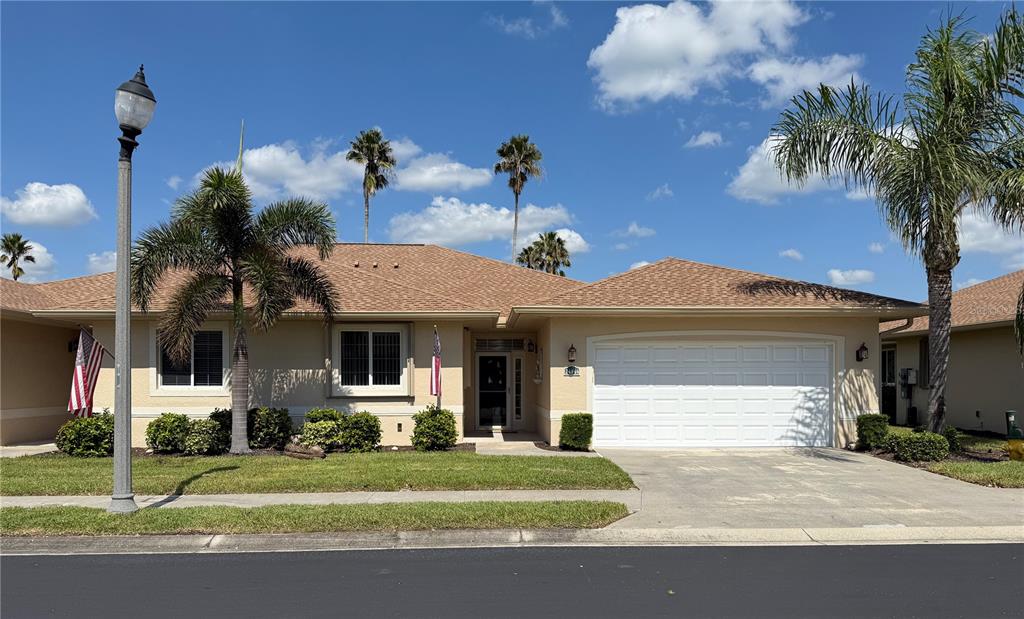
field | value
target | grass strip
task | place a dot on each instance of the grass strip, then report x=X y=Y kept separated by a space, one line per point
x=40 y=521
x=1005 y=474
x=57 y=474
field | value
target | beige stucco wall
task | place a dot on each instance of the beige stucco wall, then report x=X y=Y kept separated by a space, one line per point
x=35 y=379
x=290 y=368
x=856 y=382
x=985 y=378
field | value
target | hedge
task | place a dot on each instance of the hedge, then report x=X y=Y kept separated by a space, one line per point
x=323 y=414
x=577 y=431
x=206 y=437
x=167 y=433
x=325 y=434
x=872 y=431
x=265 y=426
x=360 y=432
x=918 y=447
x=434 y=429
x=87 y=436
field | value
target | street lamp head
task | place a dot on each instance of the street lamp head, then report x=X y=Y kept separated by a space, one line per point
x=134 y=103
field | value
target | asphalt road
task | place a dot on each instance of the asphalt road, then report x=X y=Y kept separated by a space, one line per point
x=854 y=581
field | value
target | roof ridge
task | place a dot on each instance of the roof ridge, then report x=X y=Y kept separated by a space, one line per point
x=991 y=281
x=561 y=278
x=606 y=279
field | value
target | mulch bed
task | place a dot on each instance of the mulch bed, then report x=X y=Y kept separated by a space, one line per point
x=142 y=452
x=966 y=456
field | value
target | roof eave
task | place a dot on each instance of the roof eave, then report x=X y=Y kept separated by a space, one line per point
x=458 y=315
x=880 y=312
x=975 y=326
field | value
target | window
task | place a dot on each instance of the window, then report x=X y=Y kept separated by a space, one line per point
x=204 y=369
x=924 y=374
x=370 y=360
x=518 y=387
x=888 y=366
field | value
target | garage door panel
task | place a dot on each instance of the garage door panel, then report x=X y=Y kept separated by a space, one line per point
x=684 y=394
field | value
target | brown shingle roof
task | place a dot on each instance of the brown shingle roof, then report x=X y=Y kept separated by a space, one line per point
x=427 y=278
x=675 y=283
x=21 y=297
x=992 y=301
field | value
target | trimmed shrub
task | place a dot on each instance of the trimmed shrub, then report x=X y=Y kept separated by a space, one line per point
x=434 y=429
x=269 y=427
x=871 y=431
x=323 y=414
x=918 y=446
x=167 y=433
x=206 y=437
x=323 y=434
x=265 y=426
x=360 y=433
x=955 y=439
x=87 y=436
x=577 y=430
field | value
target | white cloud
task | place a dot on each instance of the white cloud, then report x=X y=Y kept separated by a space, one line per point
x=876 y=248
x=970 y=282
x=174 y=182
x=979 y=234
x=450 y=221
x=792 y=254
x=621 y=246
x=635 y=230
x=437 y=172
x=760 y=181
x=851 y=277
x=530 y=28
x=858 y=194
x=404 y=149
x=705 y=139
x=574 y=241
x=103 y=262
x=48 y=205
x=784 y=78
x=637 y=265
x=654 y=52
x=39 y=270
x=662 y=191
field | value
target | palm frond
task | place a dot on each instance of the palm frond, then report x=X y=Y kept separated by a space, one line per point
x=176 y=245
x=189 y=307
x=310 y=283
x=295 y=222
x=263 y=269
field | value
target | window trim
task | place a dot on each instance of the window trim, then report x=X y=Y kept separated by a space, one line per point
x=402 y=389
x=156 y=386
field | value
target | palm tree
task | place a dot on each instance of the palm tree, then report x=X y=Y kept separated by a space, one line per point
x=374 y=153
x=548 y=253
x=957 y=143
x=15 y=249
x=224 y=247
x=520 y=159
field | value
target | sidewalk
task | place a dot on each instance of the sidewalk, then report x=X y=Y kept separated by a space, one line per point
x=631 y=498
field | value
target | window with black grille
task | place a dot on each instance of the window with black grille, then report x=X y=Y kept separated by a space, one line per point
x=205 y=368
x=371 y=358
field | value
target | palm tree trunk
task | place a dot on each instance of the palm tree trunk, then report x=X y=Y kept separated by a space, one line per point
x=366 y=217
x=515 y=226
x=239 y=375
x=940 y=298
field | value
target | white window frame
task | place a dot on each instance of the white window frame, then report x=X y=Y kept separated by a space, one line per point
x=339 y=390
x=156 y=386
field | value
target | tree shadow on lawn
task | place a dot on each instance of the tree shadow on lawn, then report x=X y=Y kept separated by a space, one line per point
x=185 y=483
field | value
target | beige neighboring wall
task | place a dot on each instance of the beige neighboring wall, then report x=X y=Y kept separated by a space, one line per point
x=35 y=379
x=290 y=368
x=856 y=382
x=985 y=378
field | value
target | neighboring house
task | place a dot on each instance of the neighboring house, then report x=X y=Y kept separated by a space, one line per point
x=986 y=376
x=672 y=354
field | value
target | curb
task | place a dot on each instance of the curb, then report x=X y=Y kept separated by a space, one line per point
x=506 y=538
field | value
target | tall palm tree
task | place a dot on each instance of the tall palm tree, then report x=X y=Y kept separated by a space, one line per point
x=374 y=152
x=15 y=249
x=224 y=246
x=956 y=144
x=520 y=159
x=548 y=253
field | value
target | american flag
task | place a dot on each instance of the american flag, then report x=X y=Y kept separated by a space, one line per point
x=435 y=367
x=87 y=368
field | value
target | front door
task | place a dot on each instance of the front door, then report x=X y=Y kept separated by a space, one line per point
x=492 y=391
x=889 y=383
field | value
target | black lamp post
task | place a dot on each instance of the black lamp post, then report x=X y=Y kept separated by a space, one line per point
x=133 y=105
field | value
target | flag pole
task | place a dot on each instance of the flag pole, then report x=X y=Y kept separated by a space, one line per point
x=438 y=372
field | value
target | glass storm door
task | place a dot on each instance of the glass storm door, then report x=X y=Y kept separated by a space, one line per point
x=492 y=391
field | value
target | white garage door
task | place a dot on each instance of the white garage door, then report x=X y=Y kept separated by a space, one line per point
x=686 y=394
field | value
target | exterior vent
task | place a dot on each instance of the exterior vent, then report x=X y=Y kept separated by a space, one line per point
x=499 y=345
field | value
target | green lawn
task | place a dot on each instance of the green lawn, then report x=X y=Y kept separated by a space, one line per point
x=1005 y=474
x=56 y=474
x=20 y=521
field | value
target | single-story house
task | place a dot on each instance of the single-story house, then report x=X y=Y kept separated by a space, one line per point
x=673 y=354
x=985 y=377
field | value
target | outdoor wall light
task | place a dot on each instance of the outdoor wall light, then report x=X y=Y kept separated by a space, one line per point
x=529 y=345
x=862 y=352
x=572 y=354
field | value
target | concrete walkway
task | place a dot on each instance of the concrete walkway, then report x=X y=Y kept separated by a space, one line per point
x=631 y=498
x=27 y=449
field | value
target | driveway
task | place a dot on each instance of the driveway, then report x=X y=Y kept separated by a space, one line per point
x=782 y=488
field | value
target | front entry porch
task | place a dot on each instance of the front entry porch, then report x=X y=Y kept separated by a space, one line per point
x=501 y=394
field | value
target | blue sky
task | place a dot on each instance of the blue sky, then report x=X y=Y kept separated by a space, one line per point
x=650 y=117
